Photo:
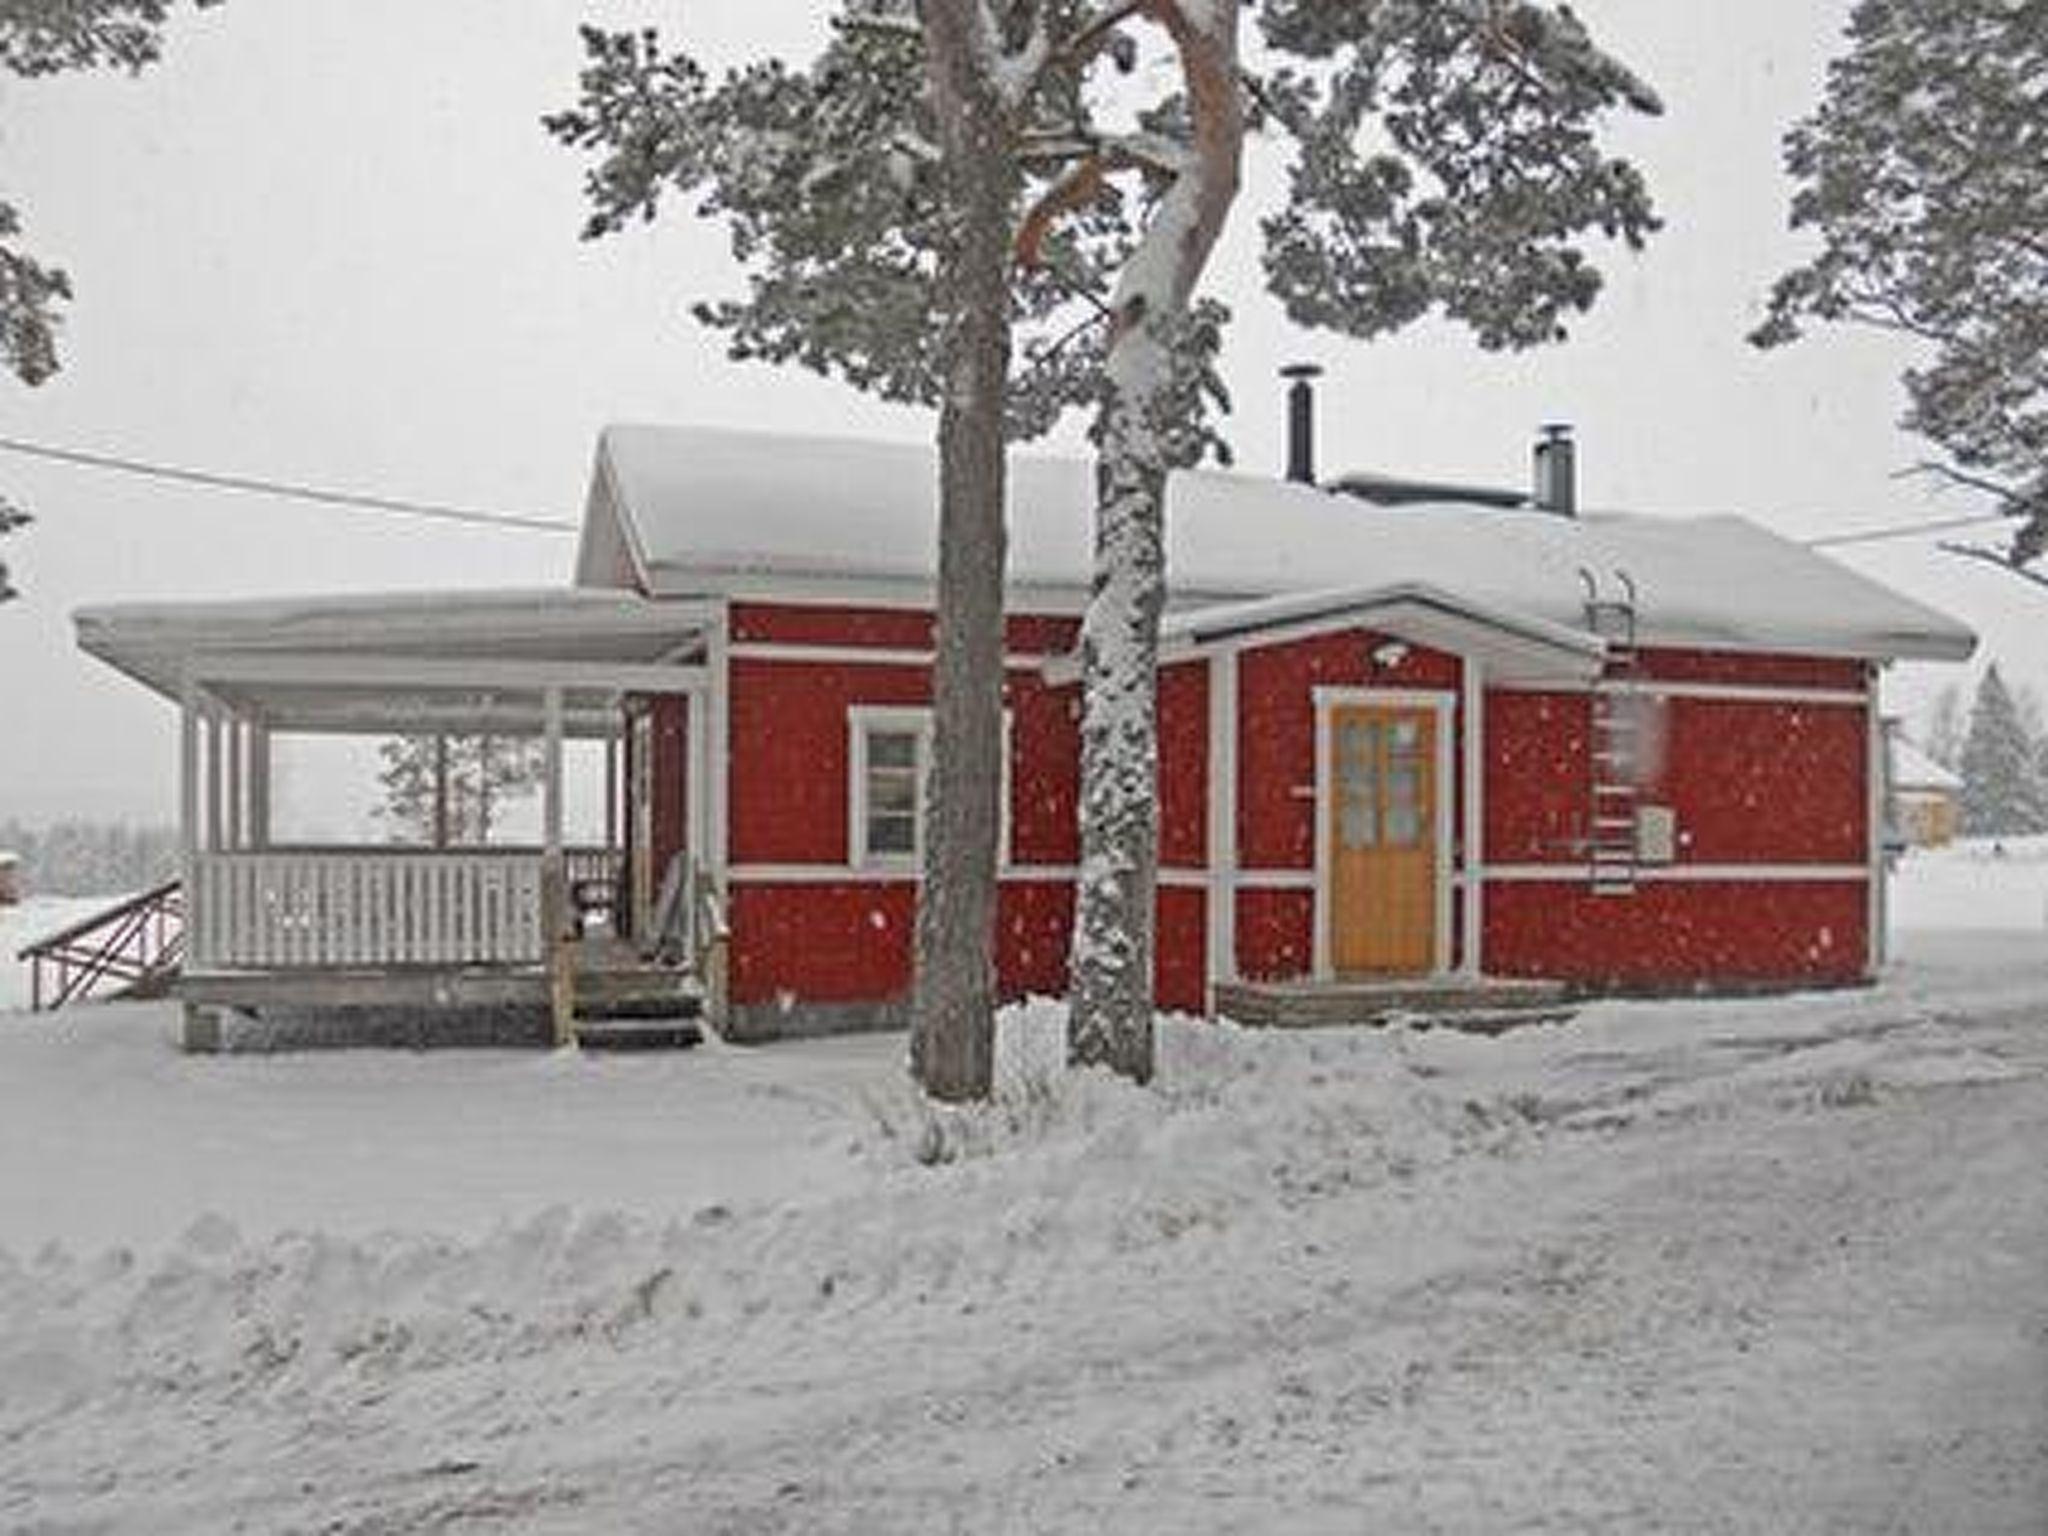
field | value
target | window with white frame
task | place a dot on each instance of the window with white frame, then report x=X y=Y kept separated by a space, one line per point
x=890 y=758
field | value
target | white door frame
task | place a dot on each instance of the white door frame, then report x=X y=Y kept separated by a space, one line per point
x=1444 y=702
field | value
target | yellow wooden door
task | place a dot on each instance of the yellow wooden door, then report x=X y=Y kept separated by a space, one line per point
x=1382 y=831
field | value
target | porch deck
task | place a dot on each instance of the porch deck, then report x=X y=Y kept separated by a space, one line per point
x=1483 y=1005
x=620 y=1000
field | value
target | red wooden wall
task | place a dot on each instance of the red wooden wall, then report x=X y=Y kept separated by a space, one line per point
x=1751 y=782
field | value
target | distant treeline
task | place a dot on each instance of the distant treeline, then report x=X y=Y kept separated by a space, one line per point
x=88 y=858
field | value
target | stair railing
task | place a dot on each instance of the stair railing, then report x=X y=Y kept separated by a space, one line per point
x=135 y=942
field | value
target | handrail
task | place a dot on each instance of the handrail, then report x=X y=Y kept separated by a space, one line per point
x=134 y=941
x=102 y=918
x=710 y=944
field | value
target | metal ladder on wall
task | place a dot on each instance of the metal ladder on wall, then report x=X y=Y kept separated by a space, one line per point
x=1613 y=782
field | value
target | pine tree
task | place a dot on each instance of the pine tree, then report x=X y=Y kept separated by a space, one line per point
x=46 y=37
x=1925 y=175
x=445 y=791
x=2003 y=795
x=1445 y=160
x=1943 y=734
x=11 y=518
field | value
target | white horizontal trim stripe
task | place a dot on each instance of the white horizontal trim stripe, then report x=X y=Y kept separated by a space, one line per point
x=1012 y=874
x=1731 y=693
x=885 y=874
x=1731 y=874
x=856 y=655
x=1272 y=879
x=1305 y=879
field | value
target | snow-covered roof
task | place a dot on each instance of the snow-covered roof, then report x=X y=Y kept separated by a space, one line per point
x=1914 y=769
x=1515 y=645
x=580 y=633
x=694 y=510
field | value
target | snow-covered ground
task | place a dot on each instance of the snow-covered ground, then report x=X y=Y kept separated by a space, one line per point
x=1770 y=1265
x=1979 y=883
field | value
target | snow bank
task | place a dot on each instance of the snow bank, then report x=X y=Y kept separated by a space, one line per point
x=1986 y=883
x=1242 y=1132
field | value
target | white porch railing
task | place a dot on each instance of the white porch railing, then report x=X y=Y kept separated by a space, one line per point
x=307 y=909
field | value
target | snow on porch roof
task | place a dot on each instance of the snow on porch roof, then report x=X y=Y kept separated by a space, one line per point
x=577 y=632
x=693 y=510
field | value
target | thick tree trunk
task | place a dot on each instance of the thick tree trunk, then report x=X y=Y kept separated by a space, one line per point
x=1110 y=1023
x=953 y=1006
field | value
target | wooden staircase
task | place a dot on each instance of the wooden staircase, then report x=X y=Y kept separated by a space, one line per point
x=1612 y=785
x=132 y=949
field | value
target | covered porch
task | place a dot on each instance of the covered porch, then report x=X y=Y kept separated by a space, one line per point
x=543 y=926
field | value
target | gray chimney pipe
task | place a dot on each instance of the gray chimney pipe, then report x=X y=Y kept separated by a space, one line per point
x=1301 y=421
x=1557 y=470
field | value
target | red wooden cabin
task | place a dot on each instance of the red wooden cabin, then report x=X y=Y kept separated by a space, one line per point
x=1471 y=735
x=1408 y=732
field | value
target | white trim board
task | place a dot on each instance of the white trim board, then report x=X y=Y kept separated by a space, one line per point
x=357 y=669
x=859 y=655
x=1705 y=874
x=1728 y=693
x=1013 y=874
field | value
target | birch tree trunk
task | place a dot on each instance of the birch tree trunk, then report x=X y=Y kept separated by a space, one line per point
x=1110 y=1023
x=953 y=1005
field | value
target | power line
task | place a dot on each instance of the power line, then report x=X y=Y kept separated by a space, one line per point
x=1905 y=530
x=441 y=512
x=253 y=485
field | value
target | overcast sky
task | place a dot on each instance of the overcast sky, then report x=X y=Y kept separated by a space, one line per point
x=331 y=244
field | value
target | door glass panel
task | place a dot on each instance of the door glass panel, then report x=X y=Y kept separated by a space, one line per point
x=1357 y=784
x=1404 y=805
x=1406 y=808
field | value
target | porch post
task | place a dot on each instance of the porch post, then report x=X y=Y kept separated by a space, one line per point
x=259 y=784
x=1222 y=833
x=214 y=818
x=697 y=776
x=237 y=742
x=718 y=748
x=554 y=885
x=1472 y=705
x=1876 y=769
x=188 y=787
x=611 y=781
x=202 y=1026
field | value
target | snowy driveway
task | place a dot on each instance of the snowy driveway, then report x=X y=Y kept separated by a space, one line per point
x=1777 y=1266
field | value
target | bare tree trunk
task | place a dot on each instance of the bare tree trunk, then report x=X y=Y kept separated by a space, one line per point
x=1110 y=1023
x=953 y=1007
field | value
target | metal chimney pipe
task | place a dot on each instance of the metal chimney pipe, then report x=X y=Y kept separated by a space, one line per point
x=1301 y=421
x=1557 y=477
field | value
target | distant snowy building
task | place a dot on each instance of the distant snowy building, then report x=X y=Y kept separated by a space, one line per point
x=1926 y=797
x=1407 y=732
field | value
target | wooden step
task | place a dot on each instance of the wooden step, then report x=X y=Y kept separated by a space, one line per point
x=1487 y=1005
x=639 y=1034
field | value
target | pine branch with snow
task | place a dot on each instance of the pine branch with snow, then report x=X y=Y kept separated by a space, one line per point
x=1924 y=175
x=1446 y=158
